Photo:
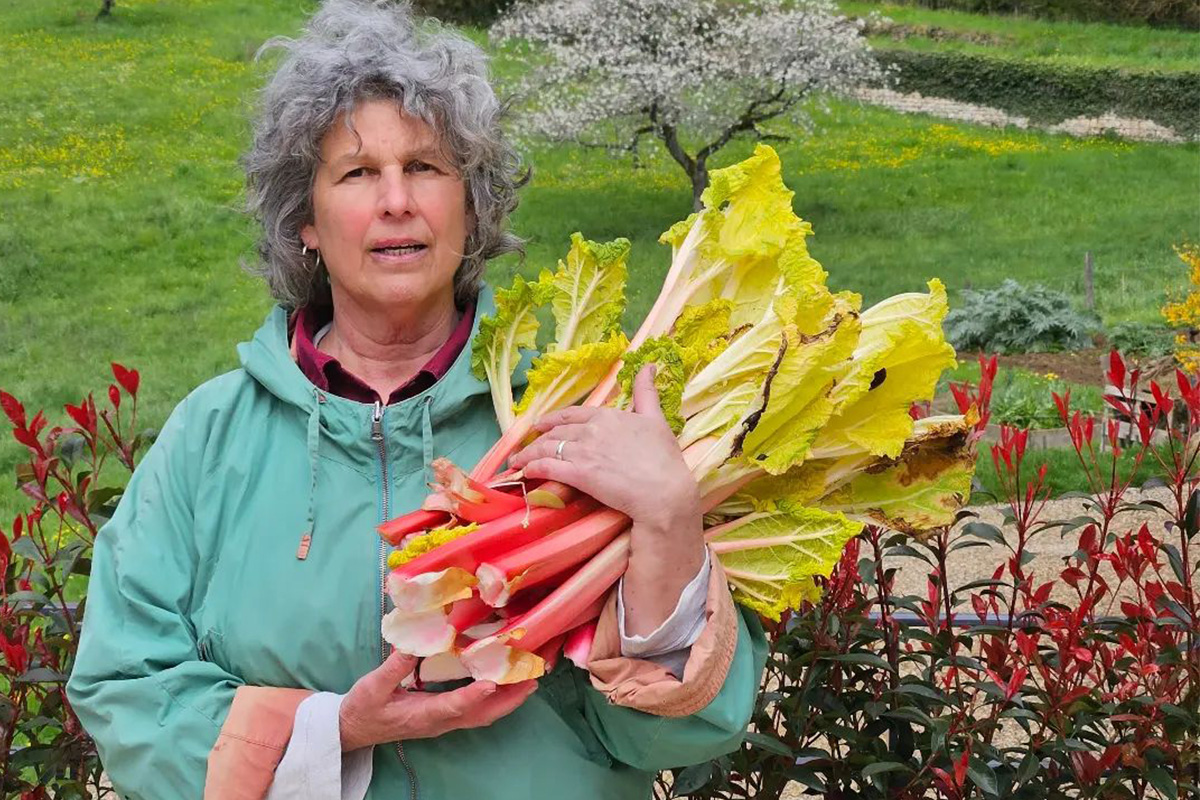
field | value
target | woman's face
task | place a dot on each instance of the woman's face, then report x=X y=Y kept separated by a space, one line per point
x=390 y=212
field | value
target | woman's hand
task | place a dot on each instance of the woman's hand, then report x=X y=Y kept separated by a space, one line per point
x=376 y=710
x=630 y=461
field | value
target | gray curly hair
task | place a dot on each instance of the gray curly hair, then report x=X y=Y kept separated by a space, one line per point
x=350 y=52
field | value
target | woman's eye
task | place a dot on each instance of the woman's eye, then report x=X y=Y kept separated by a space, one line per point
x=419 y=166
x=355 y=173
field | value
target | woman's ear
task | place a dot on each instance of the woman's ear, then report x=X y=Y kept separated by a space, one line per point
x=308 y=236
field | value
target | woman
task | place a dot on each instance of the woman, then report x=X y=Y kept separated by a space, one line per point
x=231 y=647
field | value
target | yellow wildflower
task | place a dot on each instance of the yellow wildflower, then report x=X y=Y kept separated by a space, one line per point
x=1185 y=312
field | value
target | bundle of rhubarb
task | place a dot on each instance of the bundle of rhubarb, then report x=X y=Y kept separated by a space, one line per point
x=791 y=405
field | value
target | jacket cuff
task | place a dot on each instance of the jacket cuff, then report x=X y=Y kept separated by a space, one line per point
x=678 y=631
x=314 y=766
x=242 y=763
x=649 y=687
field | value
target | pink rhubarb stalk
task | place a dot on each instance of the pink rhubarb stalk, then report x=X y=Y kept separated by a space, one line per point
x=430 y=632
x=548 y=557
x=466 y=498
x=496 y=659
x=446 y=573
x=394 y=530
x=578 y=645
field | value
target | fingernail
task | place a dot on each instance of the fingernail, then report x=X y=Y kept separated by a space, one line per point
x=489 y=690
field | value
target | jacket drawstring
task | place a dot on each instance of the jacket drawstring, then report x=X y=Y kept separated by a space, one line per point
x=427 y=439
x=314 y=445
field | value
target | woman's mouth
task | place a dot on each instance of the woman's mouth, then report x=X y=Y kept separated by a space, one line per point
x=400 y=252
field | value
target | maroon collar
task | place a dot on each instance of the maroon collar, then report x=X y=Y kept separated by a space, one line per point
x=327 y=373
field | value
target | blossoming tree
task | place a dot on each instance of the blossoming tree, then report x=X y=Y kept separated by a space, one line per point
x=693 y=74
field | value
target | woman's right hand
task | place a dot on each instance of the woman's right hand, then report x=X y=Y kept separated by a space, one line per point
x=376 y=710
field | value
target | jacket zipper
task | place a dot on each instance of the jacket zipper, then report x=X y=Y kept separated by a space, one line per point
x=377 y=437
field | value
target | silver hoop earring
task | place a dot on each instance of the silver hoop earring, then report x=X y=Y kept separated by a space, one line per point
x=304 y=252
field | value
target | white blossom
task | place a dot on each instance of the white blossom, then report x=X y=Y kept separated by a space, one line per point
x=691 y=73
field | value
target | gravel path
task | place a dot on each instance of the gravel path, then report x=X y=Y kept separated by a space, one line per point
x=1141 y=130
x=1050 y=547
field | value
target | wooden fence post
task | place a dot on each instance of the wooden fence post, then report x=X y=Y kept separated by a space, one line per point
x=1089 y=284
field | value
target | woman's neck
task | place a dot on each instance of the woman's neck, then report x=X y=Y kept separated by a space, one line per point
x=386 y=351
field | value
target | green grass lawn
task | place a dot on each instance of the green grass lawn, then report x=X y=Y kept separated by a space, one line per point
x=1084 y=44
x=121 y=235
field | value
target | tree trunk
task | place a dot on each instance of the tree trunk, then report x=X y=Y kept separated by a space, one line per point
x=699 y=183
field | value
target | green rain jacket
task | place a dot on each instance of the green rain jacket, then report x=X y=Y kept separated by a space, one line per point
x=196 y=590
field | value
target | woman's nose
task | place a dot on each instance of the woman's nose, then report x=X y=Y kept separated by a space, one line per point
x=395 y=193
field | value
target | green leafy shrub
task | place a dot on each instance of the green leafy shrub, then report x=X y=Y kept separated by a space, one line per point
x=1016 y=319
x=1181 y=13
x=1024 y=399
x=1141 y=339
x=1050 y=93
x=463 y=12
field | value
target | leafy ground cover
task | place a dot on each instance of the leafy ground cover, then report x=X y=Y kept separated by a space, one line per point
x=1080 y=44
x=119 y=195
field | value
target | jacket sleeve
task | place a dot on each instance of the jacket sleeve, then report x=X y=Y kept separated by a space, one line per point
x=140 y=684
x=648 y=719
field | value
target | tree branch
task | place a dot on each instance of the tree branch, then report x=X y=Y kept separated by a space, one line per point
x=670 y=138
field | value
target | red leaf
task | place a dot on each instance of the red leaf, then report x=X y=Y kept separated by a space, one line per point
x=1016 y=681
x=1131 y=610
x=128 y=378
x=114 y=396
x=980 y=606
x=1116 y=370
x=960 y=767
x=12 y=408
x=1087 y=540
x=79 y=414
x=1073 y=695
x=1027 y=644
x=27 y=438
x=1072 y=575
x=1118 y=404
x=1144 y=428
x=961 y=396
x=1164 y=403
x=1064 y=404
x=1083 y=654
x=1043 y=592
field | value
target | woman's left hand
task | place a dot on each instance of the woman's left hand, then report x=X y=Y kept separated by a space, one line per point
x=630 y=461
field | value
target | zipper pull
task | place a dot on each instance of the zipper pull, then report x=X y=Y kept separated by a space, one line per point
x=377 y=422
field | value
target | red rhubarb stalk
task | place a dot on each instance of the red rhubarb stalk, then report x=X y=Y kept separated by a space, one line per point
x=496 y=659
x=578 y=645
x=548 y=557
x=394 y=530
x=466 y=498
x=412 y=586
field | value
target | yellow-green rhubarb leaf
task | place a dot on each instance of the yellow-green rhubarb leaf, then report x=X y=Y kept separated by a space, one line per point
x=770 y=558
x=901 y=354
x=563 y=377
x=588 y=292
x=667 y=356
x=496 y=350
x=920 y=490
x=797 y=402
